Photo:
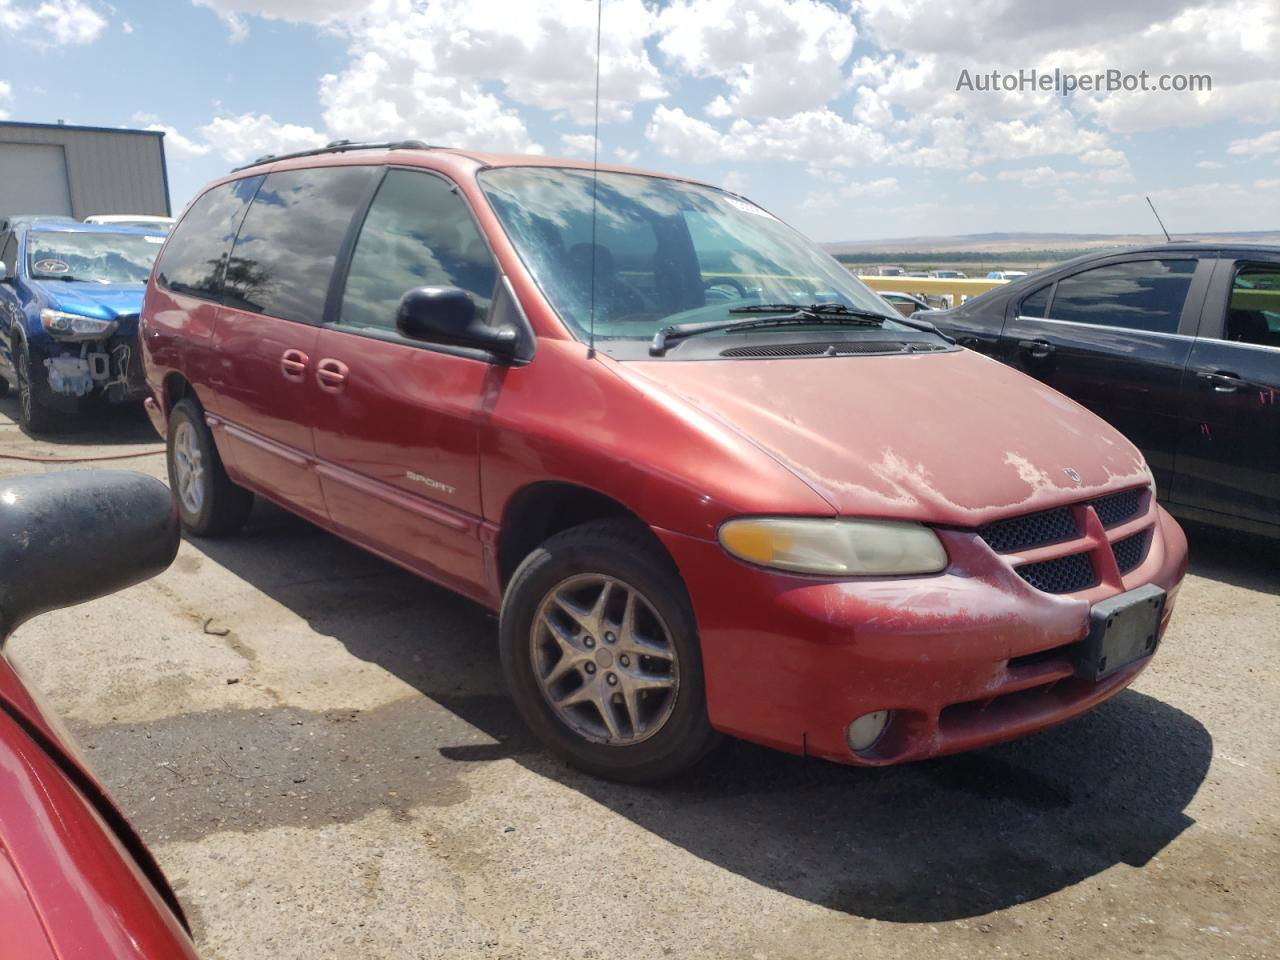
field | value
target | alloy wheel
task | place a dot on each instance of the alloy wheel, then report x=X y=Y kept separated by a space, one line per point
x=604 y=660
x=188 y=464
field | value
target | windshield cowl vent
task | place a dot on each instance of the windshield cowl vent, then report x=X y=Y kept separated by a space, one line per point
x=829 y=349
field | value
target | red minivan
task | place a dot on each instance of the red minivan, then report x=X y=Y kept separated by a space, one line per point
x=711 y=482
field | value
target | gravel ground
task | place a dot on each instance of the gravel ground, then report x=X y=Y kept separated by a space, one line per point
x=318 y=748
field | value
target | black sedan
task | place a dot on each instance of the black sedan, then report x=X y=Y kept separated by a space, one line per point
x=1177 y=345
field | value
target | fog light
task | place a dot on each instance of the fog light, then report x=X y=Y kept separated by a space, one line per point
x=867 y=729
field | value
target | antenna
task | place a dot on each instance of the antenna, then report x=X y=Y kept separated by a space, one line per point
x=1159 y=221
x=595 y=179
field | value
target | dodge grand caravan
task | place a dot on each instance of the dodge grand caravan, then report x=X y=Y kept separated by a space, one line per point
x=711 y=482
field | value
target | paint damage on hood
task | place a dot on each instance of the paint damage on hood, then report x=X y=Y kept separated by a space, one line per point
x=947 y=438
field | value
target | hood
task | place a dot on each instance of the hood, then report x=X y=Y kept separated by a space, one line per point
x=105 y=301
x=950 y=438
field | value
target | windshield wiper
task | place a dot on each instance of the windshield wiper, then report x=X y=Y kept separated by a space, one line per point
x=785 y=314
x=821 y=309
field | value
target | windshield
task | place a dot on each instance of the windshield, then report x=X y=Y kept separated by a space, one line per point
x=665 y=252
x=98 y=257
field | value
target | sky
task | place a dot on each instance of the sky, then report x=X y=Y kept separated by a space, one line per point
x=851 y=119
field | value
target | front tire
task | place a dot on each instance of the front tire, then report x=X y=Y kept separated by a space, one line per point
x=600 y=652
x=210 y=504
x=35 y=414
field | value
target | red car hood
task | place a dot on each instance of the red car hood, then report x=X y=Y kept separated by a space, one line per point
x=952 y=438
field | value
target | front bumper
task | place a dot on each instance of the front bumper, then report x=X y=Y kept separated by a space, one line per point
x=964 y=659
x=111 y=367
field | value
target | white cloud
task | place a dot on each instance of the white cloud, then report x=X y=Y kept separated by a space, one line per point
x=1272 y=185
x=853 y=190
x=1035 y=176
x=797 y=138
x=233 y=12
x=53 y=22
x=1254 y=146
x=176 y=144
x=388 y=96
x=1209 y=164
x=734 y=181
x=577 y=144
x=6 y=97
x=244 y=137
x=976 y=177
x=775 y=56
x=625 y=155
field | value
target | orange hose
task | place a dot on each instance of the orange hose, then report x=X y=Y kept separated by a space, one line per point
x=118 y=456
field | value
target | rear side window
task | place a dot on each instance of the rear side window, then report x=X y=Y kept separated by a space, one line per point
x=1253 y=315
x=1141 y=295
x=418 y=233
x=196 y=256
x=1036 y=304
x=284 y=255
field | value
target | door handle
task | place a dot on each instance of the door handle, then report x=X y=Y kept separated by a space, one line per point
x=293 y=364
x=1222 y=381
x=331 y=374
x=1037 y=348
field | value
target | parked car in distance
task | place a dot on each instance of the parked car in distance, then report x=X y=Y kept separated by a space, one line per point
x=132 y=220
x=905 y=303
x=1006 y=274
x=70 y=295
x=949 y=274
x=1176 y=345
x=75 y=879
x=711 y=482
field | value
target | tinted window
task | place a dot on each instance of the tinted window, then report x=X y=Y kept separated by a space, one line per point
x=1253 y=315
x=1034 y=305
x=197 y=252
x=1142 y=295
x=289 y=241
x=418 y=233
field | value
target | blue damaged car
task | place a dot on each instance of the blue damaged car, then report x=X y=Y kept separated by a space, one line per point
x=70 y=295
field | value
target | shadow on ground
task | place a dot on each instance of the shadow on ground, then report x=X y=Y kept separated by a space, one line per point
x=96 y=424
x=1240 y=559
x=928 y=842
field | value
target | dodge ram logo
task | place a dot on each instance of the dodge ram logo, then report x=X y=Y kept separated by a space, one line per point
x=1072 y=475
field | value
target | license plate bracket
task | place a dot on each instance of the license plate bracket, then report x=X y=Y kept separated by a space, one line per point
x=1122 y=629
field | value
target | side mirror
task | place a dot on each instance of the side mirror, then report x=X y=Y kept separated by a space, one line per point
x=447 y=315
x=70 y=537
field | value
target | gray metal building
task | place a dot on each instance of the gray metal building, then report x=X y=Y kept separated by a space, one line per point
x=73 y=171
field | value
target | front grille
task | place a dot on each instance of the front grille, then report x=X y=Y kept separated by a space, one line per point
x=1130 y=551
x=1114 y=509
x=1061 y=574
x=1031 y=530
x=828 y=349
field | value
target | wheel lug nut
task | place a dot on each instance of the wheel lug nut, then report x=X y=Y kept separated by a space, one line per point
x=590 y=668
x=589 y=642
x=609 y=638
x=613 y=679
x=624 y=660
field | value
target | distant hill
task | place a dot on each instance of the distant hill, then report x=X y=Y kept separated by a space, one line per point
x=998 y=244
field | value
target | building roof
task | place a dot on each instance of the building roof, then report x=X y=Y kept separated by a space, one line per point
x=12 y=124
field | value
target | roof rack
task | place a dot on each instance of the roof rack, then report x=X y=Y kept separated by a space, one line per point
x=340 y=146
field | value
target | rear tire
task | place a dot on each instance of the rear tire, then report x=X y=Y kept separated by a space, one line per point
x=210 y=504
x=35 y=413
x=618 y=695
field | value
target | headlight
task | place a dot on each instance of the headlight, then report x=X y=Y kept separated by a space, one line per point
x=835 y=547
x=72 y=326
